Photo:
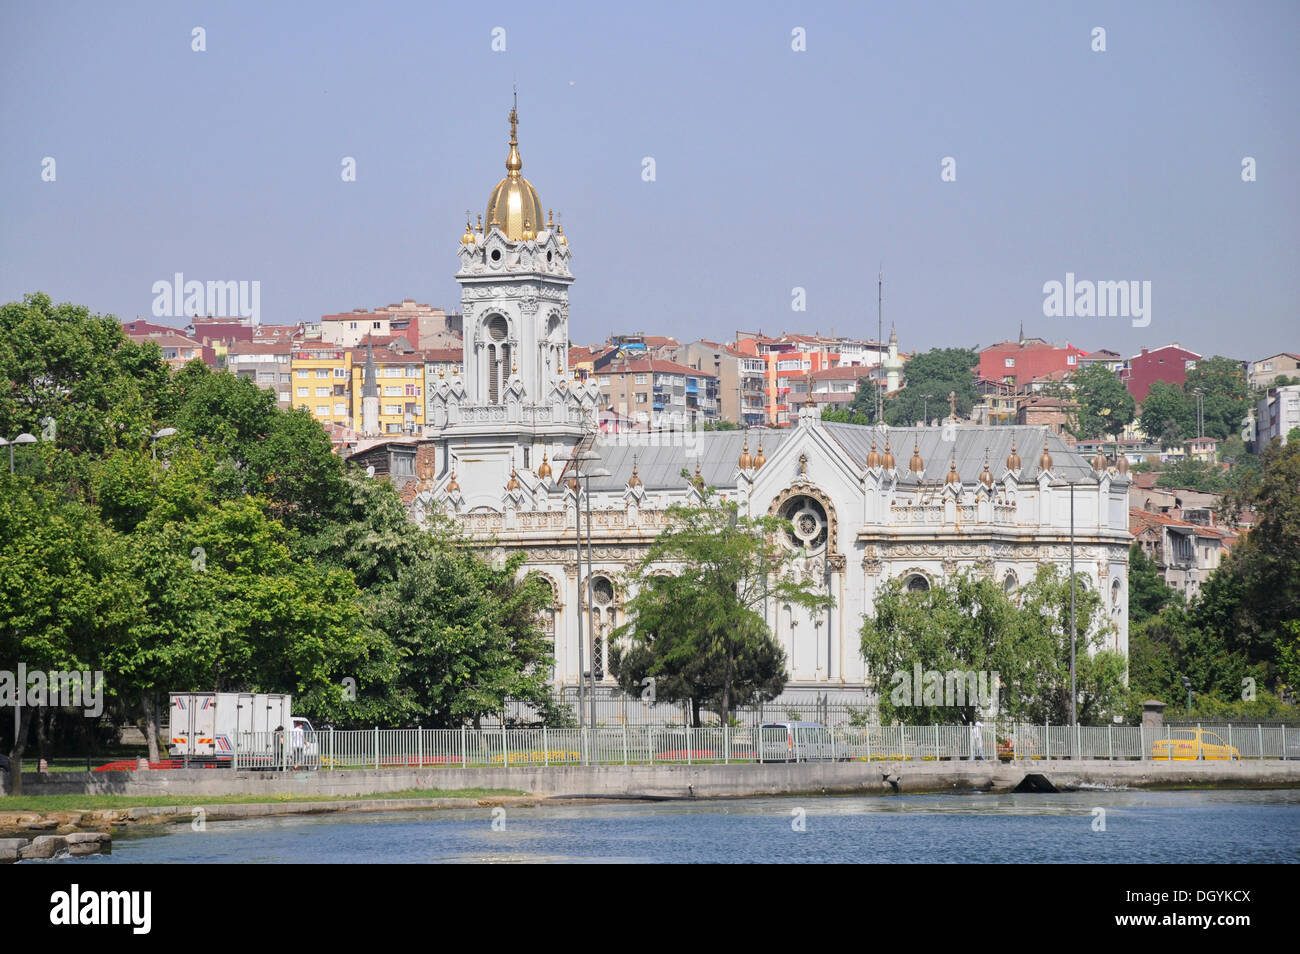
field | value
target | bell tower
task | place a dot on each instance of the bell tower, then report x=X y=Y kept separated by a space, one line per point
x=514 y=277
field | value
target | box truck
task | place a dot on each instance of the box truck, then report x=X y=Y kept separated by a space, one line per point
x=260 y=726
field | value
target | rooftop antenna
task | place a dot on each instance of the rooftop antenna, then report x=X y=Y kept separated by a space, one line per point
x=880 y=332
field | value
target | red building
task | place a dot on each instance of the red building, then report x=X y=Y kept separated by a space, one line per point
x=1169 y=364
x=1020 y=362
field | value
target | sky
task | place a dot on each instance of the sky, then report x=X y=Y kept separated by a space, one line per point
x=774 y=168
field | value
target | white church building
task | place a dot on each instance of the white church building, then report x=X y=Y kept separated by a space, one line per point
x=866 y=504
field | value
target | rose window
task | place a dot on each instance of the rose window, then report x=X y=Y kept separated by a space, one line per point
x=807 y=527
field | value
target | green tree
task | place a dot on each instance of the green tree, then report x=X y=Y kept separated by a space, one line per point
x=705 y=633
x=1193 y=474
x=1224 y=397
x=1167 y=414
x=1148 y=593
x=1104 y=405
x=936 y=373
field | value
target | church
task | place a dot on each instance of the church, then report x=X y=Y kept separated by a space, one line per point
x=865 y=504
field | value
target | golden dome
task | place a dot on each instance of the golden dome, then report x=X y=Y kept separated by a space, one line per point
x=514 y=480
x=746 y=462
x=452 y=485
x=953 y=476
x=1013 y=459
x=916 y=464
x=888 y=461
x=468 y=238
x=545 y=469
x=873 y=458
x=634 y=480
x=1121 y=465
x=1045 y=461
x=759 y=459
x=986 y=475
x=514 y=206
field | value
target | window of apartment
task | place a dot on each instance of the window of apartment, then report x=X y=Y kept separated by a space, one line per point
x=322 y=392
x=322 y=372
x=340 y=372
x=393 y=428
x=304 y=392
x=403 y=465
x=302 y=372
x=375 y=324
x=392 y=409
x=640 y=397
x=285 y=396
x=322 y=410
x=604 y=380
x=639 y=379
x=412 y=370
x=392 y=390
x=353 y=326
x=1071 y=359
x=1009 y=363
x=340 y=409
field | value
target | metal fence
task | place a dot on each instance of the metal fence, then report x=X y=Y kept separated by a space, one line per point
x=654 y=744
x=611 y=707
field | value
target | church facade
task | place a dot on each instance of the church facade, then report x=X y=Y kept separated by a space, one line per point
x=865 y=505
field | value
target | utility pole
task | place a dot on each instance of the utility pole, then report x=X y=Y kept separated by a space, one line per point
x=1073 y=691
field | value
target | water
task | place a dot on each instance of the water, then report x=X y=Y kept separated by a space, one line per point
x=1140 y=827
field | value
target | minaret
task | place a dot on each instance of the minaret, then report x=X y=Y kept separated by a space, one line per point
x=370 y=395
x=893 y=366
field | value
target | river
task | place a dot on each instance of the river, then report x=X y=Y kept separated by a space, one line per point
x=1242 y=827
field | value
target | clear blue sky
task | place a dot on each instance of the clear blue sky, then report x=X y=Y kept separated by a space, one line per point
x=775 y=168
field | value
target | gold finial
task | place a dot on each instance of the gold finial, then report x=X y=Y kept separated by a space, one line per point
x=513 y=163
x=559 y=230
x=1045 y=460
x=1121 y=465
x=545 y=469
x=873 y=458
x=953 y=476
x=528 y=233
x=1013 y=459
x=759 y=459
x=514 y=480
x=492 y=218
x=986 y=475
x=698 y=480
x=746 y=462
x=1099 y=462
x=634 y=480
x=480 y=223
x=550 y=218
x=452 y=485
x=514 y=367
x=888 y=461
x=916 y=464
x=468 y=237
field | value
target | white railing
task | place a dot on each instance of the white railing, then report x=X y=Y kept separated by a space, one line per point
x=658 y=744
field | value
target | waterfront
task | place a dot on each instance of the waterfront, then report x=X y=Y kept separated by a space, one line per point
x=1238 y=827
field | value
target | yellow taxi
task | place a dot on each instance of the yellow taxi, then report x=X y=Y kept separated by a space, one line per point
x=1192 y=744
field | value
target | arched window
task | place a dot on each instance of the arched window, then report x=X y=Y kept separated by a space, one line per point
x=1009 y=582
x=807 y=526
x=916 y=583
x=604 y=619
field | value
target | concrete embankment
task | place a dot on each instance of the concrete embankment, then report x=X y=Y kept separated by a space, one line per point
x=688 y=781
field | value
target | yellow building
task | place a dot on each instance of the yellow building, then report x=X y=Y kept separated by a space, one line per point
x=322 y=382
x=399 y=383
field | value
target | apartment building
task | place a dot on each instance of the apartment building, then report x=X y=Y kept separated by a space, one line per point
x=1262 y=373
x=322 y=381
x=1185 y=545
x=1169 y=364
x=657 y=393
x=269 y=364
x=1276 y=415
x=741 y=378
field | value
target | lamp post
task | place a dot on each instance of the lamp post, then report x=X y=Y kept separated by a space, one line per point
x=1200 y=411
x=1187 y=684
x=586 y=476
x=1073 y=692
x=23 y=438
x=165 y=432
x=925 y=409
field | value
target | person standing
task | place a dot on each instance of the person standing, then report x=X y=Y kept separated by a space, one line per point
x=977 y=740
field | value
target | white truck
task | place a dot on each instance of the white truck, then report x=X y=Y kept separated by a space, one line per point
x=258 y=726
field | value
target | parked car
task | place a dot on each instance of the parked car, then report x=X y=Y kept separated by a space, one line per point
x=1192 y=744
x=801 y=742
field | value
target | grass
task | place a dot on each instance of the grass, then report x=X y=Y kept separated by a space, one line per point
x=86 y=803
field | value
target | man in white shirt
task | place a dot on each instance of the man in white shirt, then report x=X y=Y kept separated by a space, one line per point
x=299 y=743
x=977 y=740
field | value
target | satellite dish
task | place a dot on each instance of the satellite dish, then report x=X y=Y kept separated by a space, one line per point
x=370 y=470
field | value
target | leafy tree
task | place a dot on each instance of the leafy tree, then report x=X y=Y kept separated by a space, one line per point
x=1225 y=398
x=704 y=633
x=846 y=415
x=1193 y=474
x=1148 y=593
x=937 y=372
x=721 y=425
x=1167 y=414
x=1104 y=406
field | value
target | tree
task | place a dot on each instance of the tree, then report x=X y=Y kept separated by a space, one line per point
x=1224 y=398
x=1148 y=593
x=936 y=373
x=704 y=633
x=1193 y=474
x=1104 y=406
x=1167 y=414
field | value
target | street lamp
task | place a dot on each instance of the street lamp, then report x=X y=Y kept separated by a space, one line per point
x=23 y=438
x=925 y=409
x=1187 y=684
x=165 y=432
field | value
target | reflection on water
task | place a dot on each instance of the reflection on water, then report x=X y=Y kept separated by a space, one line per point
x=1140 y=827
